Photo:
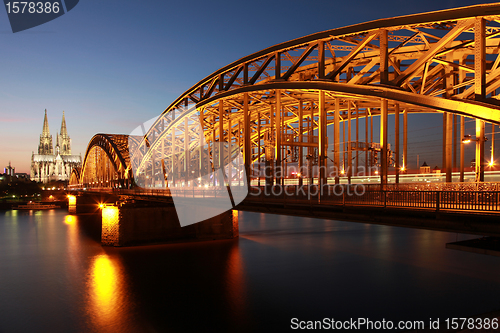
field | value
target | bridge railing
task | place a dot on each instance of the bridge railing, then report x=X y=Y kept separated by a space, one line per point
x=349 y=196
x=339 y=195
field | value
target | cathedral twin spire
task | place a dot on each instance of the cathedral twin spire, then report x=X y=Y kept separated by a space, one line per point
x=64 y=131
x=63 y=143
x=46 y=131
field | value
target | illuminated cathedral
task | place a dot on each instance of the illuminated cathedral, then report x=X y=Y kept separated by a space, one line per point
x=53 y=164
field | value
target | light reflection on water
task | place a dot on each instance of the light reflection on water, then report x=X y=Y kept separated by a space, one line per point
x=108 y=305
x=54 y=272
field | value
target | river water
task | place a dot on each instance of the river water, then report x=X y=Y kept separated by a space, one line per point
x=56 y=277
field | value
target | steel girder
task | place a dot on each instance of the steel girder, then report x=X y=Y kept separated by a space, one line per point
x=424 y=63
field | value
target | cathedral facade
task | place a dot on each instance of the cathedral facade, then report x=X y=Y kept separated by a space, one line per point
x=53 y=163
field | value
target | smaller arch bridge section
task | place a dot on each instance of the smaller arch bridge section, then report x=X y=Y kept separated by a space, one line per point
x=106 y=163
x=74 y=180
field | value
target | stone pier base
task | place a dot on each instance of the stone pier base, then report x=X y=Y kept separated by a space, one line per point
x=124 y=225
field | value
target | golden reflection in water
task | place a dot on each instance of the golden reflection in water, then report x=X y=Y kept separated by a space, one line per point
x=70 y=219
x=107 y=305
x=12 y=213
x=236 y=289
x=73 y=247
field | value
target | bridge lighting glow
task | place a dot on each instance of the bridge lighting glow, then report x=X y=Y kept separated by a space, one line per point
x=101 y=206
x=71 y=200
x=402 y=168
x=491 y=163
x=467 y=138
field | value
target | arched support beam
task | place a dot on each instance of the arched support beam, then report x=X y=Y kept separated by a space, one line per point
x=479 y=110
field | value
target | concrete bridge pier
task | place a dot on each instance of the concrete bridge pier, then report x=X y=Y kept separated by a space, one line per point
x=129 y=224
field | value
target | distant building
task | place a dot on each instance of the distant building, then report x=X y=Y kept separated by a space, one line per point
x=9 y=170
x=425 y=168
x=436 y=170
x=10 y=176
x=53 y=164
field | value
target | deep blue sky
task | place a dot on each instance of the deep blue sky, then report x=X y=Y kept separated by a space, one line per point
x=113 y=64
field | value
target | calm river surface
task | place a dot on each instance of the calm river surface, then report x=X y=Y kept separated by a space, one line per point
x=56 y=277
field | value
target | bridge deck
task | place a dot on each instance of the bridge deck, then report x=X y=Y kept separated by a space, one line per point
x=474 y=212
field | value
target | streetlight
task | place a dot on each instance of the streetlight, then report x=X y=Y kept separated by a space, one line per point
x=468 y=138
x=479 y=157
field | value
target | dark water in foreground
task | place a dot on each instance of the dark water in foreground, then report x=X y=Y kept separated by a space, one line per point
x=56 y=277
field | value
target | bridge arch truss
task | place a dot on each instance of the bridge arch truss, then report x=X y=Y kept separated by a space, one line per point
x=276 y=105
x=106 y=163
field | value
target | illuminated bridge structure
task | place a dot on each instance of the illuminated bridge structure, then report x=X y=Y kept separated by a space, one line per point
x=106 y=163
x=275 y=106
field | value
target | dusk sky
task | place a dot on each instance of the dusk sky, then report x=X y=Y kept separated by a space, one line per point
x=111 y=65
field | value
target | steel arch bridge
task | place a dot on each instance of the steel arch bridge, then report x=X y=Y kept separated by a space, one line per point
x=106 y=163
x=275 y=105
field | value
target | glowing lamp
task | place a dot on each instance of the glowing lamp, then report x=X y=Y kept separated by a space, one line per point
x=468 y=138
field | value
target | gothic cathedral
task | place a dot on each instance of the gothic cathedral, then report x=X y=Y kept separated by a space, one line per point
x=49 y=164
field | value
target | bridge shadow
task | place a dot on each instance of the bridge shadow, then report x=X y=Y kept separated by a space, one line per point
x=91 y=226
